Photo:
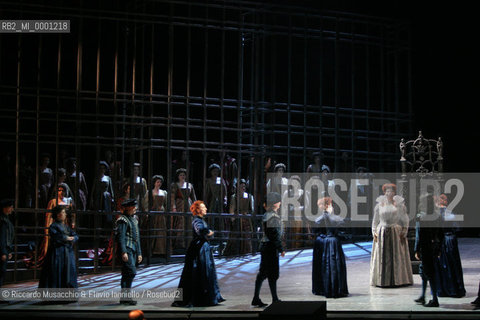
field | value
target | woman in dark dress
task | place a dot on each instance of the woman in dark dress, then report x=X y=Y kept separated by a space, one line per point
x=329 y=271
x=199 y=277
x=59 y=269
x=449 y=266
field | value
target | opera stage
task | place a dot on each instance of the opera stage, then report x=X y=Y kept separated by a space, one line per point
x=236 y=280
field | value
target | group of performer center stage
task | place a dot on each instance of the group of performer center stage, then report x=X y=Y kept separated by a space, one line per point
x=437 y=248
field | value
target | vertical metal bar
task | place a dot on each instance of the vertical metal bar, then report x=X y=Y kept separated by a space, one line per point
x=382 y=92
x=17 y=151
x=78 y=124
x=336 y=87
x=189 y=71
x=37 y=155
x=169 y=109
x=205 y=85
x=396 y=88
x=352 y=119
x=97 y=215
x=289 y=93
x=409 y=81
x=124 y=97
x=240 y=58
x=367 y=101
x=222 y=110
x=305 y=84
x=39 y=63
x=97 y=91
x=150 y=128
x=320 y=87
x=115 y=106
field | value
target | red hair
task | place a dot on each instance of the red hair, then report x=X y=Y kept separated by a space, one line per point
x=389 y=186
x=442 y=200
x=195 y=207
x=325 y=201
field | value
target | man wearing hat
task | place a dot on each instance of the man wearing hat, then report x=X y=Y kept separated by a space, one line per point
x=128 y=238
x=7 y=234
x=270 y=247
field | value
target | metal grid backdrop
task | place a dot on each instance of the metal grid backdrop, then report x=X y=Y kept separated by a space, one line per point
x=148 y=79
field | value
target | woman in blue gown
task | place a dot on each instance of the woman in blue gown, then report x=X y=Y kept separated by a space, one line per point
x=449 y=266
x=329 y=271
x=59 y=270
x=199 y=277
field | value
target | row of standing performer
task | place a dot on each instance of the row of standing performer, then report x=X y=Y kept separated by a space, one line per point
x=437 y=248
x=182 y=195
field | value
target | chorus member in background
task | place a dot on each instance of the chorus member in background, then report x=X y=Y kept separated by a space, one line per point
x=390 y=264
x=182 y=196
x=155 y=221
x=241 y=236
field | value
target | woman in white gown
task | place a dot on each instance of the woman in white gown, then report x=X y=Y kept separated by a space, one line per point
x=390 y=264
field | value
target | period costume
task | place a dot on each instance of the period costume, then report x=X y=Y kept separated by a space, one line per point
x=199 y=277
x=182 y=198
x=7 y=235
x=128 y=239
x=390 y=264
x=270 y=247
x=59 y=268
x=449 y=272
x=82 y=189
x=155 y=223
x=329 y=270
x=297 y=228
x=428 y=242
x=241 y=235
x=102 y=199
x=216 y=200
x=45 y=244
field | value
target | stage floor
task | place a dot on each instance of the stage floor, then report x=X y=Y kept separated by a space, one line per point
x=237 y=277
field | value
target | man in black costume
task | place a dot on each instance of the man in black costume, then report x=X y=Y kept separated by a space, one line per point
x=7 y=234
x=428 y=241
x=270 y=247
x=128 y=238
x=476 y=302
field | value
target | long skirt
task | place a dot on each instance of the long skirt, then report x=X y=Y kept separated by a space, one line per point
x=329 y=271
x=449 y=269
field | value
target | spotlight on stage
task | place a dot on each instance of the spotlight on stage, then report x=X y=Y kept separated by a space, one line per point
x=304 y=310
x=136 y=315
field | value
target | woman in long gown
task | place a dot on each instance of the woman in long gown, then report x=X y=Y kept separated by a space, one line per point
x=390 y=264
x=182 y=196
x=102 y=197
x=153 y=224
x=241 y=235
x=199 y=277
x=58 y=200
x=449 y=266
x=329 y=270
x=59 y=270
